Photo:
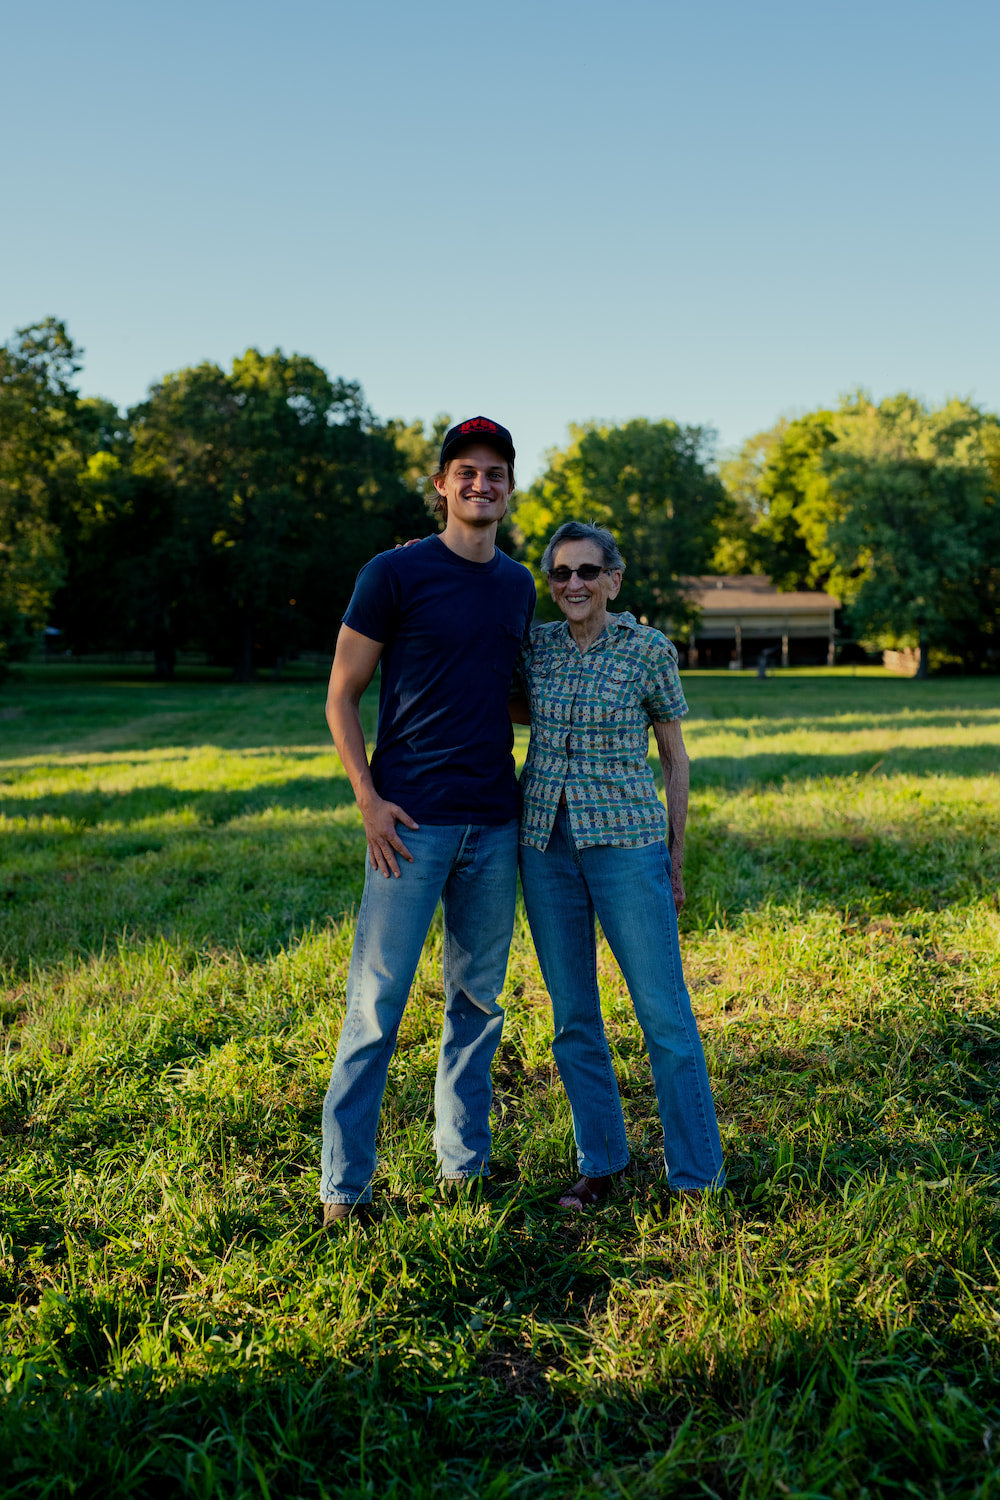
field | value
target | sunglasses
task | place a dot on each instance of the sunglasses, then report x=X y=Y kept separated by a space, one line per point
x=586 y=573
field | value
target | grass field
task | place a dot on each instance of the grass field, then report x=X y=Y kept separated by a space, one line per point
x=179 y=868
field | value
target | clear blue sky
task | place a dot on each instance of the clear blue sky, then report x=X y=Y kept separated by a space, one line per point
x=548 y=212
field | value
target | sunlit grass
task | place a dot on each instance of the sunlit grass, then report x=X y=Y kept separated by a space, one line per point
x=178 y=870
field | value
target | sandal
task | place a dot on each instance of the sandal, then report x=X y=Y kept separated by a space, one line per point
x=589 y=1192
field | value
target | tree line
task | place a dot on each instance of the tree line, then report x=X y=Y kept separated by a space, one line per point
x=229 y=512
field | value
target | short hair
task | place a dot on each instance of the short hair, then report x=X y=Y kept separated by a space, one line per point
x=584 y=531
x=437 y=504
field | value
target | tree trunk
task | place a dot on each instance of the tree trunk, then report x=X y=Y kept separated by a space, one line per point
x=164 y=654
x=922 y=654
x=243 y=667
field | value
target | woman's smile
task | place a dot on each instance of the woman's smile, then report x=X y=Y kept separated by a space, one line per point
x=584 y=601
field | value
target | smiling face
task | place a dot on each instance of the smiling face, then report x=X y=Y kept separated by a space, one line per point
x=584 y=602
x=475 y=487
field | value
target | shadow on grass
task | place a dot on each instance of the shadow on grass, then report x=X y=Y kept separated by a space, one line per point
x=616 y=1343
x=805 y=695
x=849 y=722
x=209 y=809
x=515 y=1409
x=250 y=874
x=762 y=770
x=238 y=879
x=114 y=715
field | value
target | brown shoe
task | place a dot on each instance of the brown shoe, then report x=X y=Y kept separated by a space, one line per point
x=589 y=1192
x=334 y=1213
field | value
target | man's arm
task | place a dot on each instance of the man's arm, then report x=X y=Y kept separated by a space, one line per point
x=676 y=769
x=353 y=669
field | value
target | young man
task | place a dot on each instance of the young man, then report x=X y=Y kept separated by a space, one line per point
x=444 y=619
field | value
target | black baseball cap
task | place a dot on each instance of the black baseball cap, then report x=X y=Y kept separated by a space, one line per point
x=481 y=429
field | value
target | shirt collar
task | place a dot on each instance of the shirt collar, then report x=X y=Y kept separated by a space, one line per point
x=618 y=624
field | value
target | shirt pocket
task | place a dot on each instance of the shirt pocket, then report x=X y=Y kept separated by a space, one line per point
x=616 y=690
x=538 y=668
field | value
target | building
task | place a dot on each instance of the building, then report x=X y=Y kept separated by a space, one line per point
x=740 y=617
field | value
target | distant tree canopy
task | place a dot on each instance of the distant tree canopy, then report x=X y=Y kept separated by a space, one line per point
x=47 y=436
x=229 y=511
x=262 y=492
x=649 y=483
x=419 y=450
x=894 y=506
x=914 y=531
x=781 y=500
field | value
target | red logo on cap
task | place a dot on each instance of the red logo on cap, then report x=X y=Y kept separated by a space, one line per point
x=478 y=424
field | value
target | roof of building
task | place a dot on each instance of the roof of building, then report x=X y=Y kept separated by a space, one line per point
x=752 y=594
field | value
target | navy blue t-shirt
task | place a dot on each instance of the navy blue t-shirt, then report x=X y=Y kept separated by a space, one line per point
x=451 y=632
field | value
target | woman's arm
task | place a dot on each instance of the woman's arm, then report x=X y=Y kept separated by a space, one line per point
x=676 y=769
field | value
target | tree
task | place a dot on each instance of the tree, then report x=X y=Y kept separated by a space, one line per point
x=781 y=504
x=419 y=450
x=263 y=491
x=40 y=454
x=740 y=473
x=894 y=506
x=916 y=530
x=648 y=482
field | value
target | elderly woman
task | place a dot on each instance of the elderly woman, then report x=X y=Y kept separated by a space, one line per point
x=593 y=841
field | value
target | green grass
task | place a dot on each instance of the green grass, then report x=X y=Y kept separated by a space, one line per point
x=179 y=867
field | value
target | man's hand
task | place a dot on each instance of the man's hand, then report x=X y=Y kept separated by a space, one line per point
x=384 y=843
x=677 y=886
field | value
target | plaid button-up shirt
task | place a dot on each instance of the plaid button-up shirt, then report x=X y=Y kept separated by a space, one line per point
x=590 y=718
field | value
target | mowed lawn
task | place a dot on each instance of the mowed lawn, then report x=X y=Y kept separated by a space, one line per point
x=180 y=864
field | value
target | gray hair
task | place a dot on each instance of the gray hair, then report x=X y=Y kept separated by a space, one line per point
x=584 y=531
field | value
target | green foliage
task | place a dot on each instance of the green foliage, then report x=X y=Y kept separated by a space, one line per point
x=737 y=550
x=916 y=533
x=782 y=505
x=179 y=869
x=420 y=449
x=650 y=483
x=39 y=455
x=265 y=490
x=231 y=512
x=894 y=506
x=228 y=512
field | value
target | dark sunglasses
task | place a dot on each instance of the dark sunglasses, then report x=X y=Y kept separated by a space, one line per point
x=586 y=573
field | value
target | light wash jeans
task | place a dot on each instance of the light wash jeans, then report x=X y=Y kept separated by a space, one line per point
x=629 y=889
x=473 y=871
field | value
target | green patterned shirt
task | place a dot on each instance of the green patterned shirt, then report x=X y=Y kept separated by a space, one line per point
x=590 y=718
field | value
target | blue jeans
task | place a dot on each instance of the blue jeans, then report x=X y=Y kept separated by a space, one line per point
x=473 y=871
x=629 y=889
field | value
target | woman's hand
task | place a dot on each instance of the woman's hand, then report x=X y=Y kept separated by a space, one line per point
x=677 y=886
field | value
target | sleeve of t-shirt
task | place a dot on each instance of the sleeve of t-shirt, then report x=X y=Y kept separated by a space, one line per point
x=664 y=696
x=374 y=607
